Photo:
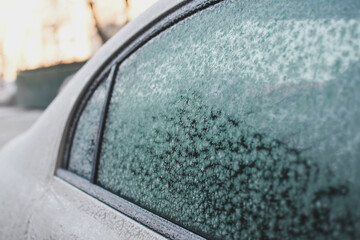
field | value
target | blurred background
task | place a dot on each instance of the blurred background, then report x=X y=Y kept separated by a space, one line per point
x=43 y=43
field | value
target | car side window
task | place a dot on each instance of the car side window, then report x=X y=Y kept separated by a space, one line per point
x=84 y=140
x=238 y=122
x=221 y=129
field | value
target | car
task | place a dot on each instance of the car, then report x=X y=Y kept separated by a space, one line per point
x=217 y=119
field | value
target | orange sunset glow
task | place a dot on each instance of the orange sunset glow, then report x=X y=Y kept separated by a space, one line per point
x=45 y=32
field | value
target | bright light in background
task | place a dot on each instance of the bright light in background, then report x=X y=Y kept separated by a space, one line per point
x=45 y=32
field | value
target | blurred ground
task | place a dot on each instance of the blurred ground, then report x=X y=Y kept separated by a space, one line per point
x=14 y=121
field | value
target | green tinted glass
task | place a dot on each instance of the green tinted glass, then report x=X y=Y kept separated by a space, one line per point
x=242 y=122
x=83 y=147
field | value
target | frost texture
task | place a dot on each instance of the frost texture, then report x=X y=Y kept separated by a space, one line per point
x=242 y=122
x=82 y=150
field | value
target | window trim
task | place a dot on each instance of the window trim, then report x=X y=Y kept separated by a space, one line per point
x=102 y=122
x=74 y=120
x=110 y=67
x=148 y=219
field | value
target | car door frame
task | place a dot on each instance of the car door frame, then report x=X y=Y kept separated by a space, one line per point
x=162 y=21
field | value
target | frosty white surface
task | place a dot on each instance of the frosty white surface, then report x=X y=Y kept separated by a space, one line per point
x=242 y=121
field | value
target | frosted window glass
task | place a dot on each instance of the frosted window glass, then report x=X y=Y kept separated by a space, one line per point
x=242 y=122
x=83 y=147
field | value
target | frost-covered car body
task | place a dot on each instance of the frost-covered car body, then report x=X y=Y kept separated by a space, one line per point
x=216 y=119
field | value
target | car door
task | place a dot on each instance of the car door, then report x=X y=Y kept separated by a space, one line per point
x=219 y=120
x=221 y=125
